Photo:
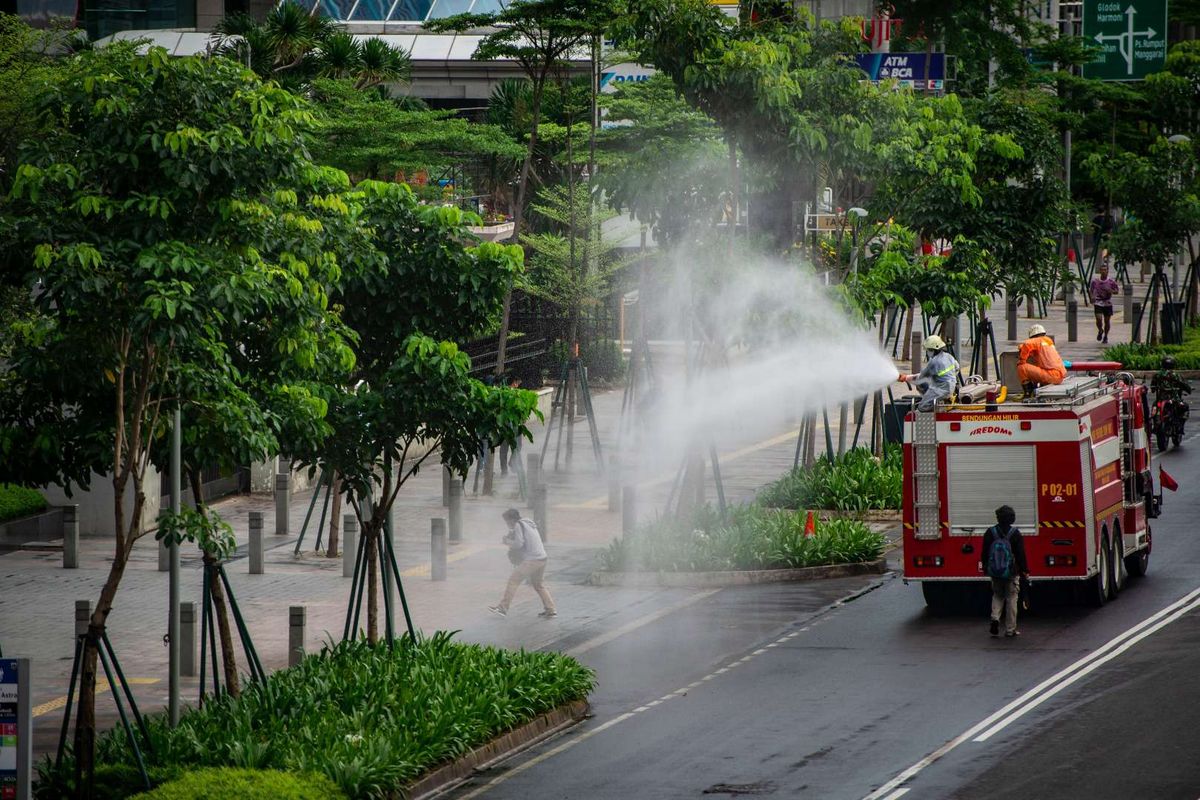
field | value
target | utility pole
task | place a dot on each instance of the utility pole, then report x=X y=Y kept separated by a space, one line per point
x=173 y=575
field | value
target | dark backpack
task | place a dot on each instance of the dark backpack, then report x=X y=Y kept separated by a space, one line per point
x=1000 y=557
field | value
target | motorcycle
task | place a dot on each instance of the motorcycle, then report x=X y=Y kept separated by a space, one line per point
x=1167 y=419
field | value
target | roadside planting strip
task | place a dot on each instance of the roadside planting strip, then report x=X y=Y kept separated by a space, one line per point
x=998 y=721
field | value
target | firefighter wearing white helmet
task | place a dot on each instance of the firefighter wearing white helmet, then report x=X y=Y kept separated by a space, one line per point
x=940 y=376
x=1038 y=361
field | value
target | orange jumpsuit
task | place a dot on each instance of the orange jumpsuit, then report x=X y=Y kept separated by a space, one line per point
x=1038 y=362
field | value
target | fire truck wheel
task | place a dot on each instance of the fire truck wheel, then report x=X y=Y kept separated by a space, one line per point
x=1116 y=563
x=1097 y=586
x=1137 y=563
x=938 y=596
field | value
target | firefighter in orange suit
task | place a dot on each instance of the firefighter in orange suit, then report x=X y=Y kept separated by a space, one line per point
x=1038 y=361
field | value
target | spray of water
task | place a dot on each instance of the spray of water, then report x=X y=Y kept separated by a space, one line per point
x=769 y=343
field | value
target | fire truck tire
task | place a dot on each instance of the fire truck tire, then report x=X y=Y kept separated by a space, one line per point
x=1117 y=560
x=1137 y=563
x=938 y=596
x=1096 y=590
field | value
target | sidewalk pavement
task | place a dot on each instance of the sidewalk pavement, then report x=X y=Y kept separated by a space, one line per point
x=37 y=596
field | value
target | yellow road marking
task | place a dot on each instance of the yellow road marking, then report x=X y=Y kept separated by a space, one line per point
x=422 y=570
x=602 y=501
x=101 y=686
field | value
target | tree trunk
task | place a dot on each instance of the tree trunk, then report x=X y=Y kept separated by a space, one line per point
x=519 y=214
x=335 y=508
x=908 y=329
x=220 y=610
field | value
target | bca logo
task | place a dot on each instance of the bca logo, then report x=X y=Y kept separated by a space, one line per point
x=985 y=430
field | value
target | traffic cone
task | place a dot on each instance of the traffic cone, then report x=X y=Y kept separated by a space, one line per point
x=810 y=525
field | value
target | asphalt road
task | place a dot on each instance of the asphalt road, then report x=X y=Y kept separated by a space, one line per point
x=764 y=691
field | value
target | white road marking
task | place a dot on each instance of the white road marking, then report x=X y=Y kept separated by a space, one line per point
x=616 y=633
x=1110 y=649
x=897 y=794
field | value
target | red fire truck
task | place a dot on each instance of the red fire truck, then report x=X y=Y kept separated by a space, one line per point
x=1073 y=462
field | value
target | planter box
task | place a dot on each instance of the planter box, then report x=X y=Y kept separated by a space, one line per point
x=44 y=526
x=493 y=233
x=712 y=580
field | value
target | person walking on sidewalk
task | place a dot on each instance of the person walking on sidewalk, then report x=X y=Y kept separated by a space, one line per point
x=528 y=557
x=1102 y=289
x=1003 y=555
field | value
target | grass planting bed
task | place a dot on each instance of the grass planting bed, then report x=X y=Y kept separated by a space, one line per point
x=853 y=482
x=749 y=537
x=17 y=502
x=369 y=718
x=1149 y=357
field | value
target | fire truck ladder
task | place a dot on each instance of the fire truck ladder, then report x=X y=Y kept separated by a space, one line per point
x=925 y=453
x=1129 y=475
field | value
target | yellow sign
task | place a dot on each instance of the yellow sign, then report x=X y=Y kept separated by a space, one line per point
x=1104 y=430
x=1060 y=489
x=989 y=417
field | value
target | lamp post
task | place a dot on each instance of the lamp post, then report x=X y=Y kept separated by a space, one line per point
x=859 y=215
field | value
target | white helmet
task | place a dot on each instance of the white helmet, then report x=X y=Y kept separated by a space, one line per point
x=1036 y=330
x=934 y=342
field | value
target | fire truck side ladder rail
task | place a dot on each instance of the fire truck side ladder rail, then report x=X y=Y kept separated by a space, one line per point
x=925 y=473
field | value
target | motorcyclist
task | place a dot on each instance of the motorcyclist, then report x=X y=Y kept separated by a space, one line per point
x=940 y=376
x=1166 y=384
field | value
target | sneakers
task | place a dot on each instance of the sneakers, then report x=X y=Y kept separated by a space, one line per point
x=994 y=628
x=1012 y=634
x=498 y=611
x=1105 y=339
x=548 y=614
x=1100 y=337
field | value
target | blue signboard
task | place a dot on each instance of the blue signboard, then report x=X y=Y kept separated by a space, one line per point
x=8 y=728
x=907 y=68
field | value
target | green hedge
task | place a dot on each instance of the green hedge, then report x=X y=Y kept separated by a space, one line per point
x=245 y=784
x=368 y=717
x=746 y=537
x=1143 y=356
x=17 y=501
x=855 y=481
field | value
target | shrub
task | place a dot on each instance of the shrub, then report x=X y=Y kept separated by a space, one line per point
x=368 y=717
x=747 y=537
x=855 y=481
x=245 y=784
x=1143 y=356
x=17 y=501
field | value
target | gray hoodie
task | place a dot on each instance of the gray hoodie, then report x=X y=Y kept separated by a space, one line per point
x=525 y=539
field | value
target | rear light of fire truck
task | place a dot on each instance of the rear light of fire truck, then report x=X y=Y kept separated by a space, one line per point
x=927 y=561
x=1060 y=561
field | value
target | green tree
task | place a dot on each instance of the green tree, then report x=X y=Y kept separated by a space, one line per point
x=661 y=160
x=372 y=136
x=159 y=217
x=410 y=393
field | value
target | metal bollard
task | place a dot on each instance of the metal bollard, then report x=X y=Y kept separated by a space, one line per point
x=164 y=550
x=916 y=351
x=628 y=510
x=187 y=638
x=1136 y=336
x=71 y=537
x=256 y=543
x=614 y=485
x=1010 y=310
x=456 y=502
x=283 y=493
x=297 y=616
x=349 y=544
x=83 y=616
x=1127 y=298
x=447 y=476
x=539 y=511
x=1073 y=320
x=437 y=547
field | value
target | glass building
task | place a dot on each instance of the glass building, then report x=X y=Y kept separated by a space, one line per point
x=410 y=11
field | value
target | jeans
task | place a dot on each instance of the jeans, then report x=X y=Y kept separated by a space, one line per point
x=533 y=571
x=1004 y=599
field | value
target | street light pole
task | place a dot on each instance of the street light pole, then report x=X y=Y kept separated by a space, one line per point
x=173 y=576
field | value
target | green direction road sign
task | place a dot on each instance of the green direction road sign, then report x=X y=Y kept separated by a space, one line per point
x=1132 y=35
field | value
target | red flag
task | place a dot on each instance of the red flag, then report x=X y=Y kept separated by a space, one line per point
x=1166 y=480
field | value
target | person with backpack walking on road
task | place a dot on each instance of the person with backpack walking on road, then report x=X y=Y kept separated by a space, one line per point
x=1003 y=555
x=527 y=554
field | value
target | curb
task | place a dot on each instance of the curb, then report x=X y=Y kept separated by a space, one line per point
x=711 y=580
x=539 y=728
